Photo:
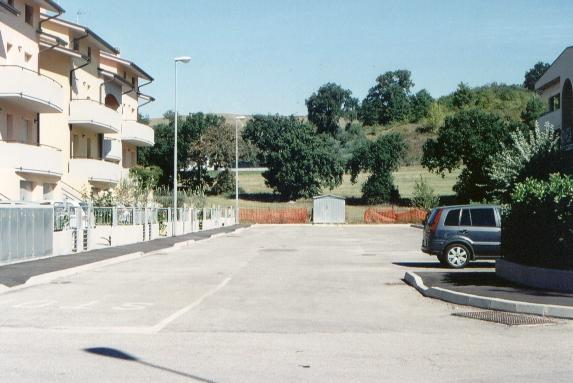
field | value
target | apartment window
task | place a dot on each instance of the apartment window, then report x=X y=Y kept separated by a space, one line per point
x=90 y=52
x=76 y=45
x=9 y=127
x=11 y=3
x=75 y=146
x=26 y=190
x=89 y=145
x=29 y=15
x=133 y=158
x=132 y=80
x=49 y=191
x=554 y=102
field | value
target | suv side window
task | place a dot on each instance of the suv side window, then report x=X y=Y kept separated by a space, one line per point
x=466 y=219
x=453 y=218
x=484 y=217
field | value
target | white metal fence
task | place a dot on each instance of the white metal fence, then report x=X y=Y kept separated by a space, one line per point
x=26 y=232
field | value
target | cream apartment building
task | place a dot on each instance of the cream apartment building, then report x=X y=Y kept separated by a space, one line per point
x=556 y=90
x=68 y=106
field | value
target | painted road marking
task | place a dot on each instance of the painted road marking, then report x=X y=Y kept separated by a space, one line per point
x=165 y=322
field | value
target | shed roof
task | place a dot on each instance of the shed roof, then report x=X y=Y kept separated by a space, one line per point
x=329 y=196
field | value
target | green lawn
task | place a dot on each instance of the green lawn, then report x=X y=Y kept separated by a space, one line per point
x=254 y=183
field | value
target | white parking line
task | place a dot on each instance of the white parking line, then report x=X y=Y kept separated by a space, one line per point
x=165 y=322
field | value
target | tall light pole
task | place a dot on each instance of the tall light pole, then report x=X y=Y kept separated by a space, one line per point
x=185 y=60
x=237 y=119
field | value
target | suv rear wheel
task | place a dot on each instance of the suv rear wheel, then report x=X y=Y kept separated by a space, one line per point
x=457 y=256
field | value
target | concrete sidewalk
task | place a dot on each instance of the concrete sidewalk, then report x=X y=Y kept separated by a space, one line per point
x=484 y=289
x=19 y=273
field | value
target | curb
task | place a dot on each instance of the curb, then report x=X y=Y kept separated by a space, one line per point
x=488 y=303
x=49 y=277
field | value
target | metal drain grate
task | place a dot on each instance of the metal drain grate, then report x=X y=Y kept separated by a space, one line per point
x=508 y=319
x=368 y=255
x=394 y=284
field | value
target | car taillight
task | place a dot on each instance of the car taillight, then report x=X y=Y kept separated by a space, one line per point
x=435 y=221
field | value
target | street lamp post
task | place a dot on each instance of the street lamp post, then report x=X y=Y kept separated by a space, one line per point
x=237 y=216
x=185 y=60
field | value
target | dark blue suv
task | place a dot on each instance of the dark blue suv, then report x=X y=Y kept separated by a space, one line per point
x=460 y=234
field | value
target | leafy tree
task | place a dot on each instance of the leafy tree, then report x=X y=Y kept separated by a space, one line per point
x=463 y=96
x=470 y=138
x=531 y=154
x=534 y=74
x=435 y=118
x=533 y=110
x=193 y=149
x=420 y=105
x=388 y=100
x=300 y=162
x=380 y=158
x=327 y=106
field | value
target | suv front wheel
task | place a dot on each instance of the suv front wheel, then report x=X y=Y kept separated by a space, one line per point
x=457 y=256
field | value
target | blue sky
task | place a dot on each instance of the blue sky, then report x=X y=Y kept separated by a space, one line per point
x=268 y=56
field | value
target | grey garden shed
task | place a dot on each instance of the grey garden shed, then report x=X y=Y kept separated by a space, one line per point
x=329 y=209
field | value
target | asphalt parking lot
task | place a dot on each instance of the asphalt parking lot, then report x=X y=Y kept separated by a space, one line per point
x=271 y=303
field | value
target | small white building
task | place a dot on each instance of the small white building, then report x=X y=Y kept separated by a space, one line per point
x=329 y=209
x=554 y=87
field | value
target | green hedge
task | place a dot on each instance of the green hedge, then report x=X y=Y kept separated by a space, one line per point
x=537 y=228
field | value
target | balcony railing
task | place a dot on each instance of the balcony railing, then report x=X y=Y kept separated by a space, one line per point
x=95 y=170
x=138 y=134
x=31 y=158
x=553 y=117
x=94 y=116
x=30 y=90
x=112 y=149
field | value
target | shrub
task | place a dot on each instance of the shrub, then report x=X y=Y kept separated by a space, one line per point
x=536 y=228
x=224 y=183
x=423 y=196
x=379 y=188
x=533 y=154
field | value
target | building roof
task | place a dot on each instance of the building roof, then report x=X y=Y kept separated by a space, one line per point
x=51 y=5
x=100 y=42
x=549 y=77
x=129 y=64
x=329 y=196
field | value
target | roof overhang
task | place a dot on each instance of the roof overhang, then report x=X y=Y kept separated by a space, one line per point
x=50 y=5
x=549 y=77
x=9 y=8
x=81 y=31
x=126 y=85
x=128 y=64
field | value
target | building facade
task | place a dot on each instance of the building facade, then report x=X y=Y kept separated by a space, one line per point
x=555 y=88
x=69 y=106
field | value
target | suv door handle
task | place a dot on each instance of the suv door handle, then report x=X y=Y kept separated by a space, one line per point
x=462 y=232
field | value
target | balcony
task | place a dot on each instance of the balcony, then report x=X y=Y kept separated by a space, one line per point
x=137 y=134
x=30 y=91
x=554 y=118
x=95 y=170
x=112 y=149
x=95 y=117
x=31 y=158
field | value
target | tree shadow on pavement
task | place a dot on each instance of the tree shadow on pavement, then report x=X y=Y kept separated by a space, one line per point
x=120 y=355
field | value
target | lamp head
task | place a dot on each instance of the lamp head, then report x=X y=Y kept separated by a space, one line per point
x=183 y=59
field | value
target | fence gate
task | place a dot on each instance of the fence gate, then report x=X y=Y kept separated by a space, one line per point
x=329 y=209
x=26 y=232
